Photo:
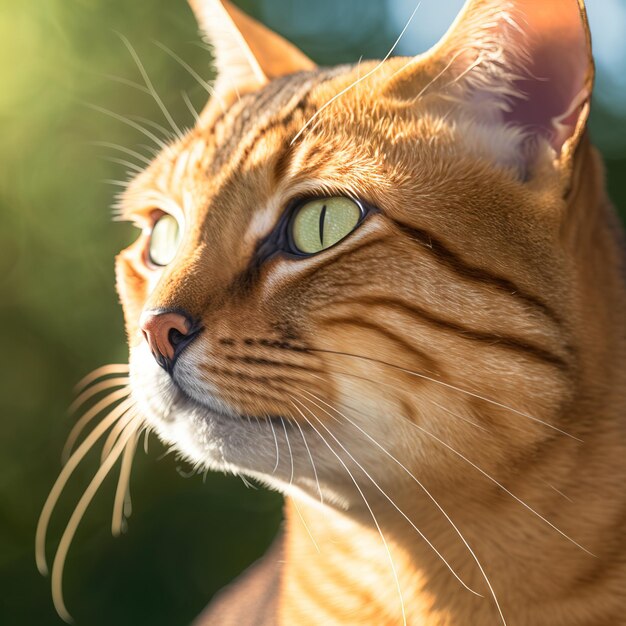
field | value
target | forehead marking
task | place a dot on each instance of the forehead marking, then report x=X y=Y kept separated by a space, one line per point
x=273 y=106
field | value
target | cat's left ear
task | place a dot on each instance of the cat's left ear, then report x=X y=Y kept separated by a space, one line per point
x=526 y=63
x=247 y=54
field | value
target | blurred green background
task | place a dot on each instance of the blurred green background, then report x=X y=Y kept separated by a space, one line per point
x=59 y=316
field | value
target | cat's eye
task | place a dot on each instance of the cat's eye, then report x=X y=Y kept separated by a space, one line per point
x=164 y=240
x=321 y=223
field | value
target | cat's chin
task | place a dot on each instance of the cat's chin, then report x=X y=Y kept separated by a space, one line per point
x=211 y=435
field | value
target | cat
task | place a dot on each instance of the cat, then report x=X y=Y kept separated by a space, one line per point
x=393 y=291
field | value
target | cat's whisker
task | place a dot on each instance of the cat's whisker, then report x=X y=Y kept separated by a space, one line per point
x=146 y=436
x=66 y=539
x=449 y=386
x=545 y=482
x=185 y=96
x=59 y=485
x=475 y=466
x=400 y=389
x=101 y=372
x=122 y=505
x=449 y=412
x=425 y=490
x=306 y=445
x=95 y=389
x=293 y=501
x=167 y=134
x=358 y=80
x=496 y=482
x=150 y=86
x=151 y=149
x=95 y=410
x=282 y=421
x=392 y=502
x=210 y=50
x=127 y=82
x=131 y=166
x=271 y=423
x=367 y=504
x=115 y=433
x=116 y=183
x=113 y=146
x=203 y=83
x=129 y=122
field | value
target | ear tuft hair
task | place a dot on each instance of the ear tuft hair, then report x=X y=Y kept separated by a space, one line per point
x=523 y=63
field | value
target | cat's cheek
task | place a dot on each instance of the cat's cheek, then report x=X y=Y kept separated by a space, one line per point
x=132 y=286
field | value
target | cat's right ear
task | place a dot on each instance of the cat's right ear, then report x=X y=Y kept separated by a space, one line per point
x=247 y=54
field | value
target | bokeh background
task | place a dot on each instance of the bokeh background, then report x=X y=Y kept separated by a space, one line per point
x=59 y=316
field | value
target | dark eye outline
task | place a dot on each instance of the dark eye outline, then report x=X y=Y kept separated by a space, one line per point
x=281 y=237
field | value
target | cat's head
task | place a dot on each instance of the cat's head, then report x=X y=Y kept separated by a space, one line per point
x=369 y=262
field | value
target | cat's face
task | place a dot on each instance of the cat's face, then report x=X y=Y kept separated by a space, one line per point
x=433 y=307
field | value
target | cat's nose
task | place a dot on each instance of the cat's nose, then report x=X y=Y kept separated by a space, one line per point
x=167 y=333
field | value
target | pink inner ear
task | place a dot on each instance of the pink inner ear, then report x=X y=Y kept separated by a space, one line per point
x=554 y=42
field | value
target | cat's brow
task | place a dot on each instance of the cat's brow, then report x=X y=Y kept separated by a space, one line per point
x=260 y=112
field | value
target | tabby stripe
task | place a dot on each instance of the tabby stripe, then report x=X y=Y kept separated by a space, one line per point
x=261 y=380
x=433 y=367
x=479 y=274
x=492 y=339
x=239 y=159
x=332 y=259
x=250 y=360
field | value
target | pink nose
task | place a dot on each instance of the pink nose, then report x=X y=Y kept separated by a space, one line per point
x=167 y=333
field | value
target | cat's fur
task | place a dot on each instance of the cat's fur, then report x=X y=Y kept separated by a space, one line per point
x=448 y=379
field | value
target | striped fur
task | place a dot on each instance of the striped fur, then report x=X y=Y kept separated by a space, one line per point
x=440 y=396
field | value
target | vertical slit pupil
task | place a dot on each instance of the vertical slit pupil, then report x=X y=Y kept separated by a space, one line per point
x=322 y=220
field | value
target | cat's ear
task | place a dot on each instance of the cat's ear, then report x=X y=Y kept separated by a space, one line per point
x=526 y=63
x=247 y=54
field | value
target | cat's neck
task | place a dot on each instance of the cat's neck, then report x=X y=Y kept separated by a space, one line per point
x=341 y=571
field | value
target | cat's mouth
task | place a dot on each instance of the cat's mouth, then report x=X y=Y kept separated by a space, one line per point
x=187 y=414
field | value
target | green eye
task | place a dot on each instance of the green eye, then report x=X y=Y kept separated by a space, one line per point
x=164 y=240
x=320 y=224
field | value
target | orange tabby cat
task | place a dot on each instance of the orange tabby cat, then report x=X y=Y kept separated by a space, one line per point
x=395 y=292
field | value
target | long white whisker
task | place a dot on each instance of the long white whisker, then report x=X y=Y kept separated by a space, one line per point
x=282 y=421
x=115 y=433
x=59 y=485
x=293 y=500
x=358 y=80
x=203 y=83
x=72 y=525
x=395 y=506
x=114 y=368
x=400 y=389
x=493 y=480
x=276 y=443
x=430 y=496
x=150 y=86
x=95 y=410
x=453 y=387
x=121 y=506
x=367 y=504
x=95 y=389
x=306 y=445
x=128 y=83
x=168 y=134
x=131 y=166
x=189 y=105
x=129 y=122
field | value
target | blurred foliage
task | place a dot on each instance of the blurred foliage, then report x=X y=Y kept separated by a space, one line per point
x=59 y=315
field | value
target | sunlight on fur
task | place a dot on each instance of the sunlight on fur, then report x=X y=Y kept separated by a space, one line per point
x=392 y=292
